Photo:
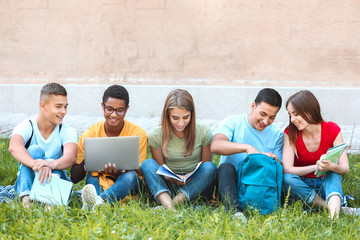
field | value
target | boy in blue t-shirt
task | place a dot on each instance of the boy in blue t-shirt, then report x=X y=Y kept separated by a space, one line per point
x=240 y=135
x=44 y=144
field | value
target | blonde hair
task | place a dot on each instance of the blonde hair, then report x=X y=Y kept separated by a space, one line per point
x=178 y=98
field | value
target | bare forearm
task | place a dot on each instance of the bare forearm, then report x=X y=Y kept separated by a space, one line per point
x=22 y=157
x=68 y=159
x=341 y=169
x=300 y=171
x=62 y=163
x=224 y=147
x=18 y=151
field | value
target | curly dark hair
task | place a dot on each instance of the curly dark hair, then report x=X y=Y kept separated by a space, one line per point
x=116 y=91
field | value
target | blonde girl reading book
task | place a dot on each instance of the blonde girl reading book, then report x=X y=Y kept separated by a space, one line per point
x=180 y=143
x=306 y=139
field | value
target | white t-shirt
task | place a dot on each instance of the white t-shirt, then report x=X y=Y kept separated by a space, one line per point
x=51 y=145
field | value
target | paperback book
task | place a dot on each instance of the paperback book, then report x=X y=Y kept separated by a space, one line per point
x=166 y=171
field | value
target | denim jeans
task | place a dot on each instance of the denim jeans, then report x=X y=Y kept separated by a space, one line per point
x=26 y=175
x=227 y=185
x=201 y=183
x=305 y=188
x=125 y=184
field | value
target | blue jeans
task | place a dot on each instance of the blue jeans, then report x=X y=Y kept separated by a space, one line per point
x=125 y=184
x=26 y=175
x=227 y=187
x=201 y=183
x=306 y=188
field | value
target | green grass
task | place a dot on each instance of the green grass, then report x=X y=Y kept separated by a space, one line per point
x=137 y=219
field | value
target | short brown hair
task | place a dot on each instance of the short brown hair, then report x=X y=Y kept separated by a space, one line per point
x=52 y=89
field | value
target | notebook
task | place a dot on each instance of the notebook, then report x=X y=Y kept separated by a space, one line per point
x=56 y=192
x=121 y=151
x=333 y=154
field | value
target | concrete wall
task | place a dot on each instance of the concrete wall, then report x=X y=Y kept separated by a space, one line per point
x=181 y=42
x=222 y=51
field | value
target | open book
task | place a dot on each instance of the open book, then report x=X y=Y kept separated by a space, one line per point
x=56 y=192
x=333 y=154
x=165 y=171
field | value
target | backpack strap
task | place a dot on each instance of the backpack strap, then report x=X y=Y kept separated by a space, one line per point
x=32 y=133
x=62 y=146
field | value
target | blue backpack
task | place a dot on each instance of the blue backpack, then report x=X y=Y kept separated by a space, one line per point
x=259 y=183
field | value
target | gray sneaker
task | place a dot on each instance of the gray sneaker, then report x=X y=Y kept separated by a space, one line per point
x=240 y=216
x=90 y=198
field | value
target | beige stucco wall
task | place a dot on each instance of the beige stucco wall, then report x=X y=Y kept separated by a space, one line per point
x=190 y=42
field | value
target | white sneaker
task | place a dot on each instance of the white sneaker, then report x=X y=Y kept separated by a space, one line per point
x=240 y=216
x=90 y=198
x=351 y=211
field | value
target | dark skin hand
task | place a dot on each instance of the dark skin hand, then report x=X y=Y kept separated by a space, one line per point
x=111 y=170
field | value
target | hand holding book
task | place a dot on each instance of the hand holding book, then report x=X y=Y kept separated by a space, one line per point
x=333 y=154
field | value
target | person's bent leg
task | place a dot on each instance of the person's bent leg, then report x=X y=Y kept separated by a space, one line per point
x=301 y=188
x=94 y=180
x=227 y=184
x=36 y=152
x=202 y=180
x=90 y=193
x=26 y=175
x=165 y=199
x=126 y=183
x=333 y=192
x=156 y=183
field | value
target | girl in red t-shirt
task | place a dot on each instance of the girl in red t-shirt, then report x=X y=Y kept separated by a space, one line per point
x=307 y=138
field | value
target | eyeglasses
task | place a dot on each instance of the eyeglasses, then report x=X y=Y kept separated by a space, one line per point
x=110 y=110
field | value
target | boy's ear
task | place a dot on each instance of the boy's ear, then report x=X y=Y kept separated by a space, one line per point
x=253 y=105
x=42 y=104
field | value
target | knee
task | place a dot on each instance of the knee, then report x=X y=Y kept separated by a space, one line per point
x=36 y=152
x=148 y=164
x=209 y=166
x=131 y=176
x=332 y=176
x=226 y=168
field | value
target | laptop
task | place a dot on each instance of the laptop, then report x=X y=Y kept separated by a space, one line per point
x=121 y=151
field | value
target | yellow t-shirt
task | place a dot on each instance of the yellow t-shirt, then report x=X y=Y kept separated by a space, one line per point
x=97 y=130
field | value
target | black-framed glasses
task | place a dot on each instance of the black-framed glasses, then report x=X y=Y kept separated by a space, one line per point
x=110 y=110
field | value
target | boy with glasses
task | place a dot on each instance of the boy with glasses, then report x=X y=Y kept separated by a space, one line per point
x=44 y=144
x=243 y=134
x=111 y=184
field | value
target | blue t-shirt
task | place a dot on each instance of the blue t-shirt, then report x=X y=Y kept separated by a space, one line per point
x=51 y=145
x=238 y=129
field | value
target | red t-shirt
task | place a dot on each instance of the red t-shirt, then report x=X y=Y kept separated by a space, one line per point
x=329 y=132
